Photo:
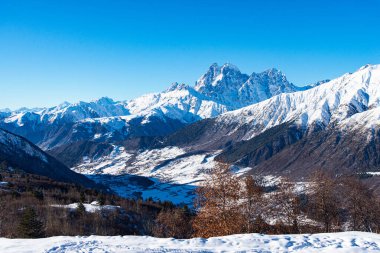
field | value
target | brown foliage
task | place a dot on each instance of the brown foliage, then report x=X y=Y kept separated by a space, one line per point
x=26 y=191
x=174 y=223
x=362 y=206
x=325 y=201
x=253 y=205
x=218 y=204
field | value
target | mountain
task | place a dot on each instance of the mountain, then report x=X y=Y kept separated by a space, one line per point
x=219 y=90
x=228 y=86
x=333 y=126
x=18 y=153
x=347 y=104
x=167 y=142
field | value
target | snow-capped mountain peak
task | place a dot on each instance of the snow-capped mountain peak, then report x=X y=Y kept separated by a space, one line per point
x=104 y=101
x=176 y=86
x=216 y=75
x=330 y=102
x=220 y=89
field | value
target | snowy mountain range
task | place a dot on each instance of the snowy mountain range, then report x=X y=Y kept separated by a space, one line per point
x=259 y=123
x=220 y=89
x=333 y=126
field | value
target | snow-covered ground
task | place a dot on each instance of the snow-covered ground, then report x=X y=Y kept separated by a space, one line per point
x=90 y=208
x=3 y=184
x=347 y=242
x=170 y=173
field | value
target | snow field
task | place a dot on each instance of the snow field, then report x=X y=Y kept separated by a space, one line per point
x=347 y=242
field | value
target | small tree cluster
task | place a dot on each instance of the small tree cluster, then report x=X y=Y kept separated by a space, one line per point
x=345 y=199
x=228 y=205
x=174 y=223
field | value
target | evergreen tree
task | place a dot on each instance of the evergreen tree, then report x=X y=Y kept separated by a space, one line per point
x=81 y=209
x=30 y=226
x=82 y=197
x=102 y=200
x=3 y=165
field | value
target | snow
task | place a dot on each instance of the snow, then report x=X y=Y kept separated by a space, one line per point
x=173 y=173
x=347 y=242
x=11 y=141
x=223 y=89
x=90 y=208
x=373 y=173
x=350 y=102
x=2 y=184
x=220 y=90
x=362 y=121
x=330 y=102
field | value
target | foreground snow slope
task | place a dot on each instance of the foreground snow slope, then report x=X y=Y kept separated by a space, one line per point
x=348 y=242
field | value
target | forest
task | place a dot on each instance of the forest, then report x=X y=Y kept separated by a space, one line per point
x=33 y=206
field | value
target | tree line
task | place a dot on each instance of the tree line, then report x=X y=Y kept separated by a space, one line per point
x=228 y=204
x=225 y=204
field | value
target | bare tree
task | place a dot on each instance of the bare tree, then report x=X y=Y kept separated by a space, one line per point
x=217 y=201
x=287 y=206
x=2 y=214
x=362 y=205
x=253 y=203
x=174 y=223
x=325 y=199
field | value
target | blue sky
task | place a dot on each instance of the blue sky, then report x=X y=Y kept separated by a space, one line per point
x=55 y=51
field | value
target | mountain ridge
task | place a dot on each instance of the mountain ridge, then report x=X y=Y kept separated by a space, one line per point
x=290 y=134
x=179 y=105
x=19 y=153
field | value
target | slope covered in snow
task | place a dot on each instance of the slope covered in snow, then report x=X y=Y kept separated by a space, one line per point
x=348 y=242
x=347 y=104
x=221 y=89
x=329 y=103
x=19 y=153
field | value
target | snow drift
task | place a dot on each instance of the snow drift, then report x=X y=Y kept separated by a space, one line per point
x=348 y=242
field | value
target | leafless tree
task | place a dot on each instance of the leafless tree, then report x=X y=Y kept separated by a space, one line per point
x=325 y=201
x=362 y=205
x=253 y=203
x=218 y=205
x=287 y=205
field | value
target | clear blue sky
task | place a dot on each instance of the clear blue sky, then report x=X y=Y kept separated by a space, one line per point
x=52 y=51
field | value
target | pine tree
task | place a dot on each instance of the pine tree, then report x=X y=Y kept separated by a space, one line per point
x=82 y=197
x=30 y=226
x=81 y=209
x=101 y=199
x=4 y=165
